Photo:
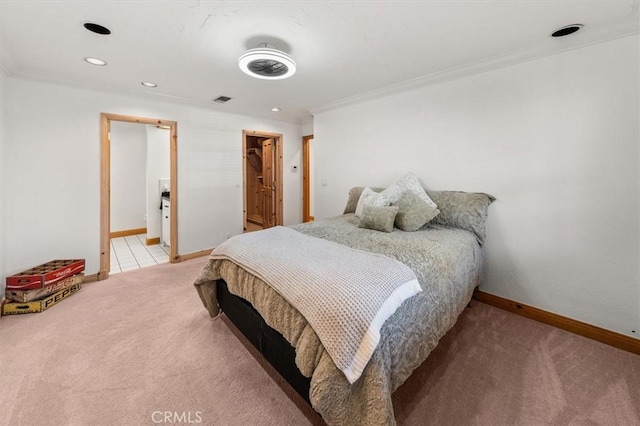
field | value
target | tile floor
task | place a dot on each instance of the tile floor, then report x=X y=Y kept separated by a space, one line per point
x=128 y=253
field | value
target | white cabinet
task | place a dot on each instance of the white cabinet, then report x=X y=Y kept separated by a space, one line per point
x=166 y=221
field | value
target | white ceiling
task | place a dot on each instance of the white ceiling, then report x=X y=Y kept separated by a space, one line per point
x=345 y=50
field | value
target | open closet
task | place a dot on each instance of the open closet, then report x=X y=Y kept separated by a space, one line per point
x=260 y=183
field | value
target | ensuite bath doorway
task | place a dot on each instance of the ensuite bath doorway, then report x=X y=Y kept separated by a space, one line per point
x=138 y=222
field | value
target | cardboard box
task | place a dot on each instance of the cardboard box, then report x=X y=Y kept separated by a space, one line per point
x=14 y=308
x=24 y=296
x=45 y=274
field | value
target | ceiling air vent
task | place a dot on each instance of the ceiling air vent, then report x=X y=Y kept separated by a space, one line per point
x=222 y=99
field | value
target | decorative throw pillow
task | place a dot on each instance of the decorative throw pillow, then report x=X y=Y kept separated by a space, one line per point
x=413 y=212
x=463 y=210
x=392 y=193
x=378 y=218
x=370 y=198
x=354 y=197
x=409 y=182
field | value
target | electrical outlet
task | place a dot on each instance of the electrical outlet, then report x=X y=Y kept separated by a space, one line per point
x=228 y=235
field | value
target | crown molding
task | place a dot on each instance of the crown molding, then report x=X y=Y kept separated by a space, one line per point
x=159 y=97
x=626 y=26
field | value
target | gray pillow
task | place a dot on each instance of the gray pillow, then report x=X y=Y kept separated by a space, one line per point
x=463 y=210
x=413 y=212
x=378 y=218
x=354 y=196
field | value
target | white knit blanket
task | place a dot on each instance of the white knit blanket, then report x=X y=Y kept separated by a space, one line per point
x=346 y=295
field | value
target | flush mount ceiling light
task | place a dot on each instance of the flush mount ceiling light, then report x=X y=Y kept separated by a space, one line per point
x=275 y=109
x=148 y=84
x=267 y=63
x=96 y=61
x=566 y=30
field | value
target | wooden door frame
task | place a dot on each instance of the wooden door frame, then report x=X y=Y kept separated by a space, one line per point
x=105 y=184
x=278 y=152
x=306 y=179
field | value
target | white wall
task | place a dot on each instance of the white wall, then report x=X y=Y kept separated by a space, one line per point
x=51 y=151
x=128 y=176
x=158 y=167
x=556 y=140
x=307 y=126
x=2 y=224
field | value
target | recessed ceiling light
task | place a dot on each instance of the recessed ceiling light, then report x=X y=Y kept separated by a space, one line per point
x=148 y=84
x=267 y=63
x=275 y=109
x=566 y=30
x=98 y=29
x=96 y=61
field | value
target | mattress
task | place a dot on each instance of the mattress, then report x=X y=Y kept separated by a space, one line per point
x=447 y=263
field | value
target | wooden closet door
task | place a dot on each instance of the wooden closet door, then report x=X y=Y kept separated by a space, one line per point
x=268 y=187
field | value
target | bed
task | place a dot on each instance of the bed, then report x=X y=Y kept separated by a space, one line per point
x=446 y=257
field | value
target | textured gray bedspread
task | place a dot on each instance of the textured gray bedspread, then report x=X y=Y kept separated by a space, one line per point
x=447 y=263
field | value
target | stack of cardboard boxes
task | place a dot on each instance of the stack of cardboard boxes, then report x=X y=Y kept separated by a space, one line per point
x=39 y=288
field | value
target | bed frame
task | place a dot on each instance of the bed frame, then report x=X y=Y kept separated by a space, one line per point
x=270 y=343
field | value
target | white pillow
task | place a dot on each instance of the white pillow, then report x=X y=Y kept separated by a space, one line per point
x=409 y=182
x=393 y=193
x=370 y=198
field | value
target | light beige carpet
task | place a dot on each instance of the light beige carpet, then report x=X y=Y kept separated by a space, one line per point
x=139 y=347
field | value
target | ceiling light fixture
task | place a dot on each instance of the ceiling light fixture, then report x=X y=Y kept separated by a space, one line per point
x=566 y=30
x=267 y=63
x=96 y=61
x=275 y=109
x=148 y=84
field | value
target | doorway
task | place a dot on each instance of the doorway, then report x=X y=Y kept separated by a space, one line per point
x=307 y=179
x=105 y=186
x=262 y=179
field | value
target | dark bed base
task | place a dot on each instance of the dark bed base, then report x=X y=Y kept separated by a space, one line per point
x=271 y=344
